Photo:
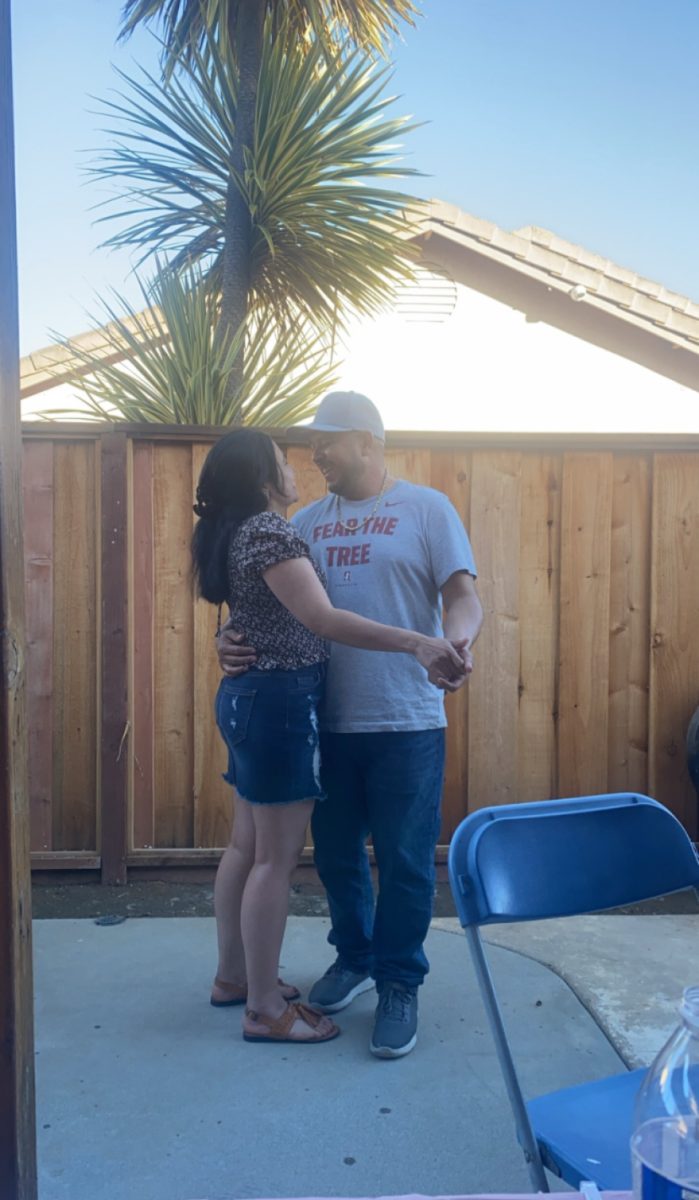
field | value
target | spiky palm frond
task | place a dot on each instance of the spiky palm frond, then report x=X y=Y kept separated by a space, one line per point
x=186 y=24
x=167 y=365
x=325 y=234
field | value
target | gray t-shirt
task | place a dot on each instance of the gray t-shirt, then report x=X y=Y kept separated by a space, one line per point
x=389 y=568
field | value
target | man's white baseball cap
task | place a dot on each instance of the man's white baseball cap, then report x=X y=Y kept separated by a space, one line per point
x=343 y=412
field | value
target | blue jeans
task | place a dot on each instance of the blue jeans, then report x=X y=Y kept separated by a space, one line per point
x=388 y=785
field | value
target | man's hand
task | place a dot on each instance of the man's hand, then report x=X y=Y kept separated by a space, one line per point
x=464 y=649
x=453 y=684
x=234 y=658
x=440 y=658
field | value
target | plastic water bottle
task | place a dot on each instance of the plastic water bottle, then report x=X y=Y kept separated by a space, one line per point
x=665 y=1141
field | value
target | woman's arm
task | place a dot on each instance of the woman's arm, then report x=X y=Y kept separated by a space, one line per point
x=296 y=586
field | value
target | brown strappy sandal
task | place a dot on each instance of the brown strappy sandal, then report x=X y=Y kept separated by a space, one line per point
x=238 y=994
x=278 y=1029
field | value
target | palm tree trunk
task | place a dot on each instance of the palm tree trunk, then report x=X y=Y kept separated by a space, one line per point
x=247 y=34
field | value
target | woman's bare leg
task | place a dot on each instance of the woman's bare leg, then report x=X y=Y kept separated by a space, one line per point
x=279 y=836
x=232 y=874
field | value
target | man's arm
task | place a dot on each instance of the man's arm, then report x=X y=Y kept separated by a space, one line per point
x=234 y=657
x=463 y=616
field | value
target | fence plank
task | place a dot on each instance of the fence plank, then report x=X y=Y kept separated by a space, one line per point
x=539 y=568
x=38 y=568
x=172 y=641
x=142 y=781
x=451 y=474
x=212 y=797
x=309 y=481
x=629 y=617
x=75 y=648
x=493 y=709
x=586 y=522
x=674 y=674
x=115 y=745
x=415 y=465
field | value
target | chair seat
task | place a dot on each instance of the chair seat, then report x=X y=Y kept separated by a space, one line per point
x=584 y=1132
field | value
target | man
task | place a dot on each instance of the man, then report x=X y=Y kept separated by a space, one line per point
x=395 y=552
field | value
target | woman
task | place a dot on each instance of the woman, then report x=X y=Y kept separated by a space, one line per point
x=247 y=555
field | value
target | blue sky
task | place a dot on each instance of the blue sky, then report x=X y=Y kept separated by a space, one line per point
x=581 y=116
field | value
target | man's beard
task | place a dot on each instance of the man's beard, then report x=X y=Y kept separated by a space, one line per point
x=346 y=484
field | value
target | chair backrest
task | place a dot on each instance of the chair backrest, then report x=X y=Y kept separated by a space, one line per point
x=556 y=858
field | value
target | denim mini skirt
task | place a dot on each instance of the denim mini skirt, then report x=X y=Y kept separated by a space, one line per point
x=269 y=722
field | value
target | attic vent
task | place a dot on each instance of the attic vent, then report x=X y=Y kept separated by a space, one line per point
x=431 y=297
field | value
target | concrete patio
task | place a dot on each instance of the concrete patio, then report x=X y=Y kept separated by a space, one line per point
x=145 y=1092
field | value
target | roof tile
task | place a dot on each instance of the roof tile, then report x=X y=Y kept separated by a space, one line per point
x=677 y=322
x=610 y=289
x=648 y=288
x=622 y=274
x=647 y=307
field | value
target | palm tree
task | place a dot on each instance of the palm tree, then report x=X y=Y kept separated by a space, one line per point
x=163 y=363
x=190 y=26
x=324 y=235
x=186 y=24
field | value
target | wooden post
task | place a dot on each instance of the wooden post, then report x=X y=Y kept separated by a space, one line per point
x=114 y=669
x=17 y=1113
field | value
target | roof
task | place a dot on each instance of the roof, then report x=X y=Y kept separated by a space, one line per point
x=536 y=253
x=541 y=254
x=60 y=363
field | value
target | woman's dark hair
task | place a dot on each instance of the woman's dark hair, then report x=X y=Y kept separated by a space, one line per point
x=231 y=488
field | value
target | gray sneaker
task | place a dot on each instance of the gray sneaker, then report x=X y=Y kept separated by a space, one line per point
x=395 y=1024
x=338 y=988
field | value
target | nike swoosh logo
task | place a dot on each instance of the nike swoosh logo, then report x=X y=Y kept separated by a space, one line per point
x=393 y=503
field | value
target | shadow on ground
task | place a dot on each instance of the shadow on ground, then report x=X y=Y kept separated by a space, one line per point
x=169 y=899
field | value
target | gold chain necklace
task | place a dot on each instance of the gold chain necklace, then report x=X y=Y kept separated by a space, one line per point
x=345 y=526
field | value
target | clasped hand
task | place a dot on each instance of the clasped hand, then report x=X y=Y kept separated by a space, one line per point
x=448 y=663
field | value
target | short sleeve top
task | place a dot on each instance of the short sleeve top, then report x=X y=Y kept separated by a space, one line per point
x=280 y=640
x=388 y=561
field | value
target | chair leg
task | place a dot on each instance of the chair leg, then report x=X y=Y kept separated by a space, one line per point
x=525 y=1133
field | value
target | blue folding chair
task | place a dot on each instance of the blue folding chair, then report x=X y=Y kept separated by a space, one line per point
x=559 y=858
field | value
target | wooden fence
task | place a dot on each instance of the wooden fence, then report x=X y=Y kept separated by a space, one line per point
x=587 y=669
